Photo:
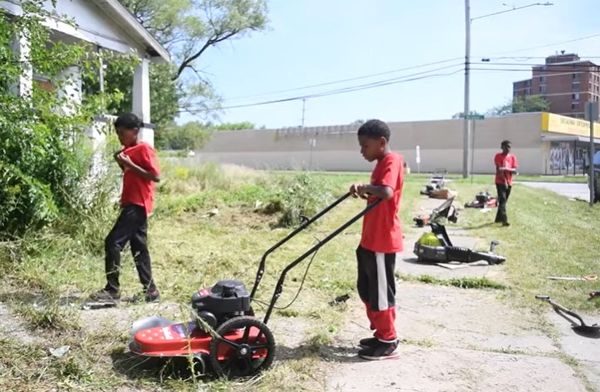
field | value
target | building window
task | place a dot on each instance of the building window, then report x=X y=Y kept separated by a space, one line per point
x=574 y=76
x=573 y=106
x=575 y=97
x=541 y=79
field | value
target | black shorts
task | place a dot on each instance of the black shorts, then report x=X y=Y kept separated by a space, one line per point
x=376 y=282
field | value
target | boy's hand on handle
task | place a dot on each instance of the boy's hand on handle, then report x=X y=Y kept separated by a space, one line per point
x=359 y=190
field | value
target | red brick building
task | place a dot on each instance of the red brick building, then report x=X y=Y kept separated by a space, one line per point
x=564 y=80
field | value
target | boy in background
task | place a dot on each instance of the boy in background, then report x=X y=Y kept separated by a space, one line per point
x=381 y=239
x=140 y=171
x=506 y=166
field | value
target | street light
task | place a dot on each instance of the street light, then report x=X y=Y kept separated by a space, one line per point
x=466 y=110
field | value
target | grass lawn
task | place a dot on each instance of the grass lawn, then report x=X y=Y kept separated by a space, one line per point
x=192 y=247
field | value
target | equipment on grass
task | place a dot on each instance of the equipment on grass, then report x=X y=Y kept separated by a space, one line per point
x=585 y=278
x=483 y=200
x=436 y=181
x=577 y=323
x=446 y=210
x=224 y=329
x=446 y=251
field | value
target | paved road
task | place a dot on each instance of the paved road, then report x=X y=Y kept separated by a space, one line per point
x=570 y=190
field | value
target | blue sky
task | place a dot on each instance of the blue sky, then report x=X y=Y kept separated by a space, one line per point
x=312 y=42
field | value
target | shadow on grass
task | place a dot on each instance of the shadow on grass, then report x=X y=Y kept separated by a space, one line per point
x=327 y=352
x=136 y=367
x=481 y=226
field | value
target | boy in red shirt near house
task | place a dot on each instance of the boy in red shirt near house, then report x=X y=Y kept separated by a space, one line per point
x=506 y=166
x=381 y=239
x=140 y=172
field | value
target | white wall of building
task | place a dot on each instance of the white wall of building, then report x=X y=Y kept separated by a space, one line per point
x=336 y=147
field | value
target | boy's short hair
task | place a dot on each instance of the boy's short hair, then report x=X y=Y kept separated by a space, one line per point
x=374 y=129
x=506 y=143
x=128 y=121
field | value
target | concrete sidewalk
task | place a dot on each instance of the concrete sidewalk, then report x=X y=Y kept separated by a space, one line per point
x=569 y=190
x=456 y=339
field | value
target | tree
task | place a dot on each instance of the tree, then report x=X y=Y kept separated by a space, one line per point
x=43 y=155
x=187 y=28
x=189 y=136
x=240 y=126
x=521 y=104
x=472 y=114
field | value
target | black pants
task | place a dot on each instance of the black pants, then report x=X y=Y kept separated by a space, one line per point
x=503 y=195
x=132 y=226
x=376 y=283
x=377 y=289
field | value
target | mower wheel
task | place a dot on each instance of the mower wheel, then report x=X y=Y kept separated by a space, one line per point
x=243 y=347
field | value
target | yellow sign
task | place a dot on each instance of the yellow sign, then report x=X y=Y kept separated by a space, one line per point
x=556 y=123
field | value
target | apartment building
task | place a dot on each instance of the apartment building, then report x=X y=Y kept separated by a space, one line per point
x=566 y=81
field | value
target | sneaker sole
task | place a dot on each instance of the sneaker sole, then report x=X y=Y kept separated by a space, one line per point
x=394 y=355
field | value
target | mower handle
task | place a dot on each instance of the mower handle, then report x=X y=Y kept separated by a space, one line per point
x=305 y=223
x=279 y=286
x=561 y=310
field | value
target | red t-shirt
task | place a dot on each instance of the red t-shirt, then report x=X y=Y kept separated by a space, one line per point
x=137 y=190
x=508 y=161
x=381 y=231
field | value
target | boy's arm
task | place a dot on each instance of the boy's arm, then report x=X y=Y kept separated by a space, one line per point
x=364 y=190
x=126 y=162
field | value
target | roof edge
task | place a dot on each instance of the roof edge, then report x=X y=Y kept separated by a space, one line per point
x=114 y=8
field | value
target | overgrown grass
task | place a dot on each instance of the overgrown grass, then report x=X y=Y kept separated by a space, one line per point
x=193 y=246
x=549 y=236
x=211 y=223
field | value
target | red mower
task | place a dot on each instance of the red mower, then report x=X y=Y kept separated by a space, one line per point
x=225 y=331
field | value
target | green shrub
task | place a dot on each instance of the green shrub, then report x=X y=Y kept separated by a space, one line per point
x=44 y=153
x=297 y=196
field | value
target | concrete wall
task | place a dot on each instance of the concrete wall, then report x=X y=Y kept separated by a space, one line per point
x=336 y=147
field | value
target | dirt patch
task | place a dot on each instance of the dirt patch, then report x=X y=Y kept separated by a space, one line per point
x=13 y=328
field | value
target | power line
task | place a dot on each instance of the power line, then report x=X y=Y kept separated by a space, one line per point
x=397 y=80
x=548 y=45
x=381 y=83
x=343 y=80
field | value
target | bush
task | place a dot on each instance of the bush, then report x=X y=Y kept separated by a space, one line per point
x=44 y=160
x=297 y=197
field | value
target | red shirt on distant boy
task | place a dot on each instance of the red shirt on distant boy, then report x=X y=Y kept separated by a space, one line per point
x=507 y=161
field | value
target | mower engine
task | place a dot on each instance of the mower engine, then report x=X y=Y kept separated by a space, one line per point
x=225 y=300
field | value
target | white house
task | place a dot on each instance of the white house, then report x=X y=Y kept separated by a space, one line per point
x=109 y=26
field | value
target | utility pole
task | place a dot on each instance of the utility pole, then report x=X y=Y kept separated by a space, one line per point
x=466 y=110
x=303 y=110
x=466 y=123
x=591 y=114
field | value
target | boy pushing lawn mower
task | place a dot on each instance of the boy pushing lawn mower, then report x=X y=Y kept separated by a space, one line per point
x=140 y=172
x=381 y=239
